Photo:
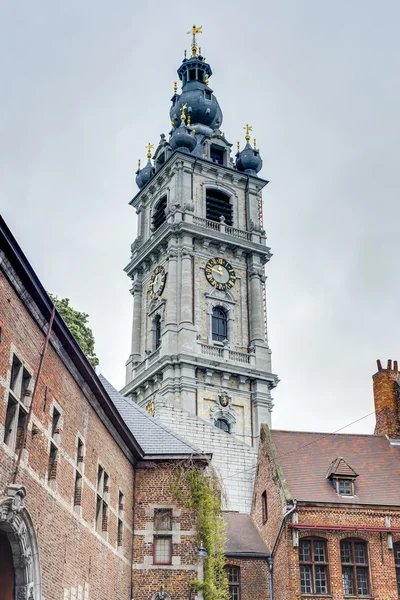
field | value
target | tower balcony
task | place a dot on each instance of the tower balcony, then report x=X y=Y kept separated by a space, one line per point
x=183 y=220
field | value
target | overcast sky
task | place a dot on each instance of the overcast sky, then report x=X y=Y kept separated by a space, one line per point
x=86 y=84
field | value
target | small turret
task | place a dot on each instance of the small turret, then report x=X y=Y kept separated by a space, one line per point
x=144 y=175
x=249 y=159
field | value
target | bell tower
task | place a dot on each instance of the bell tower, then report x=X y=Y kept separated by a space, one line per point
x=199 y=340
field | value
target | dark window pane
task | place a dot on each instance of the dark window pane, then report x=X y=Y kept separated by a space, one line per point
x=319 y=552
x=362 y=581
x=304 y=551
x=159 y=212
x=396 y=550
x=360 y=554
x=305 y=579
x=157 y=332
x=347 y=573
x=222 y=424
x=219 y=324
x=218 y=205
x=217 y=155
x=321 y=585
x=345 y=487
x=345 y=552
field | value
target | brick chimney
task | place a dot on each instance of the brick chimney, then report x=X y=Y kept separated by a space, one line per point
x=386 y=385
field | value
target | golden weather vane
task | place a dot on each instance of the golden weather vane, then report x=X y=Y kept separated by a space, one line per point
x=194 y=31
x=149 y=148
x=247 y=128
x=182 y=109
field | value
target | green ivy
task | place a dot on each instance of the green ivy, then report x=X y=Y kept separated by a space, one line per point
x=199 y=489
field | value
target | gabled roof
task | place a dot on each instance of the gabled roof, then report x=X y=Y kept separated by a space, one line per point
x=242 y=536
x=340 y=468
x=303 y=458
x=156 y=440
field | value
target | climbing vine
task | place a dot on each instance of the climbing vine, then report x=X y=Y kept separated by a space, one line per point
x=200 y=489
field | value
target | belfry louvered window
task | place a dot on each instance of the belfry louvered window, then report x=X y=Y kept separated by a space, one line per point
x=218 y=205
x=159 y=215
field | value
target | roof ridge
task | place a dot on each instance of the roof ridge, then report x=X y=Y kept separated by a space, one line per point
x=323 y=433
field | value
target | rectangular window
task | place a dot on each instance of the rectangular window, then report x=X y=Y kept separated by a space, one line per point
x=17 y=406
x=162 y=553
x=120 y=525
x=78 y=489
x=233 y=582
x=55 y=423
x=217 y=155
x=313 y=560
x=396 y=550
x=52 y=470
x=264 y=507
x=355 y=575
x=345 y=487
x=102 y=501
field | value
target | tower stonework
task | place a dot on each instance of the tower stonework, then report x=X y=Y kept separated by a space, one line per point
x=200 y=358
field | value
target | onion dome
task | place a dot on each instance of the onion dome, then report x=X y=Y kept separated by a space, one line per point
x=144 y=175
x=249 y=159
x=202 y=105
x=183 y=138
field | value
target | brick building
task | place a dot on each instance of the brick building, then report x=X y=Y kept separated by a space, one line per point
x=328 y=506
x=91 y=471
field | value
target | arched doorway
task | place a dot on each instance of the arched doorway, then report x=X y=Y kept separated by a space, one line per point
x=6 y=569
x=20 y=569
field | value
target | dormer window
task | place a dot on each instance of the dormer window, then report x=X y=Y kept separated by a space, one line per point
x=217 y=155
x=342 y=476
x=345 y=487
x=207 y=94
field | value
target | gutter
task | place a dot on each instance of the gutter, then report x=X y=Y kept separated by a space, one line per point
x=271 y=557
x=344 y=527
x=247 y=555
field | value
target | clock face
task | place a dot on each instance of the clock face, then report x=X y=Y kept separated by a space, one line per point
x=157 y=282
x=220 y=274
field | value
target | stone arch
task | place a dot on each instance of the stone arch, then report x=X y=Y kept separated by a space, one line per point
x=16 y=524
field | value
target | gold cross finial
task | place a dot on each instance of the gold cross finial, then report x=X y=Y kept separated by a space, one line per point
x=149 y=148
x=175 y=87
x=194 y=31
x=238 y=146
x=182 y=109
x=188 y=120
x=138 y=164
x=185 y=53
x=255 y=144
x=247 y=129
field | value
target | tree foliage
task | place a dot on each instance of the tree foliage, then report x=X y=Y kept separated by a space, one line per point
x=77 y=324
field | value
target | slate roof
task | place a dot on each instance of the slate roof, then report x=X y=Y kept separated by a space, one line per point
x=340 y=468
x=242 y=536
x=305 y=459
x=154 y=437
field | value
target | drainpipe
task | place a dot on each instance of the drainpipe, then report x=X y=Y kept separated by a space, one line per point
x=271 y=557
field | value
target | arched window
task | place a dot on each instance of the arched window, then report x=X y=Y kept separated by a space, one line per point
x=219 y=324
x=6 y=569
x=354 y=559
x=233 y=582
x=159 y=215
x=396 y=552
x=313 y=560
x=157 y=332
x=218 y=205
x=223 y=425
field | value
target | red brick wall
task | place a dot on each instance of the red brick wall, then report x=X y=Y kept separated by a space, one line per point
x=153 y=490
x=267 y=480
x=386 y=400
x=71 y=552
x=253 y=577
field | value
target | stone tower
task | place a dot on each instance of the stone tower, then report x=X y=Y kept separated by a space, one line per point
x=199 y=339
